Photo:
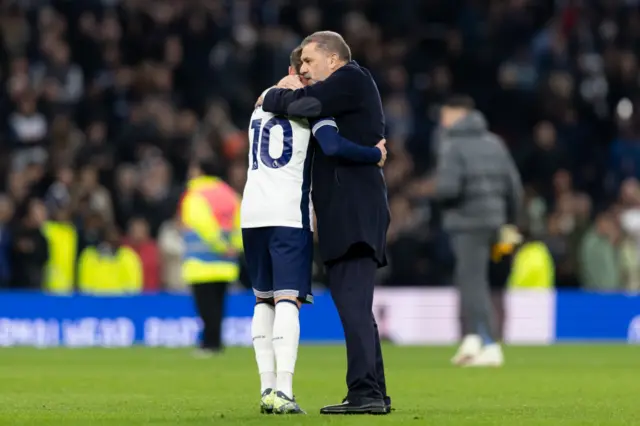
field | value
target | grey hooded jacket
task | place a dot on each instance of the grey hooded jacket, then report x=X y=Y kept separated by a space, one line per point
x=477 y=182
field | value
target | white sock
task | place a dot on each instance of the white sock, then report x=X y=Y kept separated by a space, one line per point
x=286 y=336
x=262 y=335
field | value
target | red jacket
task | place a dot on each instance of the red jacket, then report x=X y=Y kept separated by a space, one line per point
x=150 y=259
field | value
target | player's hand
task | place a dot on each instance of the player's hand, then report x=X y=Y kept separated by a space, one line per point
x=290 y=82
x=259 y=102
x=383 y=150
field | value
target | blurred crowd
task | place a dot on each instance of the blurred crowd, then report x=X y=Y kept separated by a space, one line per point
x=103 y=103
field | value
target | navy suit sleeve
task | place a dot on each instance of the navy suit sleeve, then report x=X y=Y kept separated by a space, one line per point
x=334 y=96
x=333 y=145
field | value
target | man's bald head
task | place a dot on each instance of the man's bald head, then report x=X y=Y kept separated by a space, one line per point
x=323 y=52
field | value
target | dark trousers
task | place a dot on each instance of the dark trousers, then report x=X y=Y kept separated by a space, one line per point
x=499 y=271
x=209 y=300
x=351 y=282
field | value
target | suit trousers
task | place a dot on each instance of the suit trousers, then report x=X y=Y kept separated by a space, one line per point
x=351 y=282
x=209 y=300
x=471 y=277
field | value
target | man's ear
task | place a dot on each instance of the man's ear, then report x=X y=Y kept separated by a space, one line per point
x=334 y=61
x=292 y=71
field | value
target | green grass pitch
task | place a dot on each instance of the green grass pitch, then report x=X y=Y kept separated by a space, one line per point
x=557 y=385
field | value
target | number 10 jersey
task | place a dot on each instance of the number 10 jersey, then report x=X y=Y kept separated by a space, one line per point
x=277 y=192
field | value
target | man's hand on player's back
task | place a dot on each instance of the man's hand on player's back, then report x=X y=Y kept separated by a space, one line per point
x=292 y=82
x=383 y=150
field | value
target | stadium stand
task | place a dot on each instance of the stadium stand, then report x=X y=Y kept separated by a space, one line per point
x=103 y=103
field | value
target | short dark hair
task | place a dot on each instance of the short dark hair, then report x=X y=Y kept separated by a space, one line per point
x=460 y=102
x=330 y=41
x=296 y=59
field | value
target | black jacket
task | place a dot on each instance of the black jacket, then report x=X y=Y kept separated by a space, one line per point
x=30 y=252
x=350 y=200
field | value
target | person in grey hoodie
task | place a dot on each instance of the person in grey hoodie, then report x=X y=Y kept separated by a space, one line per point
x=479 y=190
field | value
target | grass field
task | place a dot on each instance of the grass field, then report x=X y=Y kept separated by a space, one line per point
x=560 y=385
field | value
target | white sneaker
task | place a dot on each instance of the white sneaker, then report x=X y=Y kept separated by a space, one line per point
x=469 y=348
x=490 y=356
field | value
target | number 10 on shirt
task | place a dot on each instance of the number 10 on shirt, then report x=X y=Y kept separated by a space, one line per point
x=264 y=139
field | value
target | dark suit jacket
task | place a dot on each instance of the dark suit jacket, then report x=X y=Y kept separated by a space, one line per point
x=350 y=199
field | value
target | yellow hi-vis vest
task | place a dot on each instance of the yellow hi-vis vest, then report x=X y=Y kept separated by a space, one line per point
x=532 y=267
x=61 y=267
x=210 y=219
x=104 y=274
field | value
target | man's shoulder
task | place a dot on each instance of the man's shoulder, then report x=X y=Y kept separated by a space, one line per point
x=351 y=72
x=451 y=145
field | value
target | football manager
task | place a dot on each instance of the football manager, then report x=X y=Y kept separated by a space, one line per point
x=351 y=205
x=478 y=188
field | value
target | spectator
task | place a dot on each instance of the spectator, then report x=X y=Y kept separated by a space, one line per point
x=6 y=213
x=30 y=250
x=125 y=194
x=59 y=193
x=599 y=256
x=533 y=266
x=61 y=72
x=88 y=190
x=109 y=268
x=66 y=141
x=109 y=103
x=630 y=215
x=97 y=151
x=630 y=265
x=171 y=250
x=404 y=237
x=62 y=239
x=158 y=196
x=543 y=160
x=139 y=239
x=27 y=126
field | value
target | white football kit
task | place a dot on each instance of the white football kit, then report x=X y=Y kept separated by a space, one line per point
x=276 y=220
x=277 y=192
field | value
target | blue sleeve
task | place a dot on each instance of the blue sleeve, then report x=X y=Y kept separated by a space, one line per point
x=332 y=144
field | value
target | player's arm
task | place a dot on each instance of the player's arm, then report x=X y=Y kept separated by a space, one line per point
x=196 y=215
x=332 y=144
x=336 y=95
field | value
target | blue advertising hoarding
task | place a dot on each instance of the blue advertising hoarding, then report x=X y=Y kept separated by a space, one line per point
x=169 y=320
x=583 y=316
x=407 y=316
